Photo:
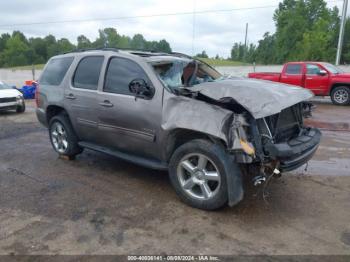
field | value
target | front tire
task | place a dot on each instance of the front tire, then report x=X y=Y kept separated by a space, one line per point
x=21 y=108
x=341 y=95
x=62 y=136
x=197 y=171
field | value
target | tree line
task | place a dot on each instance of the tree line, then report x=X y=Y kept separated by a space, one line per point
x=305 y=30
x=18 y=50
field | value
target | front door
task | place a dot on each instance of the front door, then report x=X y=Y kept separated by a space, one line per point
x=127 y=123
x=81 y=97
x=314 y=81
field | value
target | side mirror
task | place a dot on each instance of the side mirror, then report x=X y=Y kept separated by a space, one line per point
x=141 y=89
x=322 y=72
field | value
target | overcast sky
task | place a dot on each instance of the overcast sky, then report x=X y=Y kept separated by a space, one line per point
x=214 y=32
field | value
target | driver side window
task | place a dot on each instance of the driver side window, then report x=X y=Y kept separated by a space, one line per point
x=312 y=69
x=120 y=73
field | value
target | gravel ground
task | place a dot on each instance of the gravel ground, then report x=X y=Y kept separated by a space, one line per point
x=98 y=204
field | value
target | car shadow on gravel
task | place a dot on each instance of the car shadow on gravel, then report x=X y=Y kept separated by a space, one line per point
x=258 y=203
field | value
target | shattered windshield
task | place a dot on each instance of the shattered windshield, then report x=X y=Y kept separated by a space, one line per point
x=178 y=73
x=4 y=86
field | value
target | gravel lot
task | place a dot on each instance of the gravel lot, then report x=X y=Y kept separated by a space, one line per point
x=98 y=204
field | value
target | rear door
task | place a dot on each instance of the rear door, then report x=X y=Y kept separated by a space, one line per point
x=126 y=123
x=80 y=97
x=314 y=81
x=293 y=74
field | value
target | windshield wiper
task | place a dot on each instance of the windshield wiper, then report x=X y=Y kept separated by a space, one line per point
x=183 y=91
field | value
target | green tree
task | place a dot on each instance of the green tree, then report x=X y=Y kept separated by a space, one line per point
x=111 y=36
x=265 y=52
x=101 y=40
x=83 y=42
x=138 y=42
x=39 y=49
x=3 y=40
x=64 y=46
x=315 y=44
x=15 y=52
x=164 y=46
x=300 y=21
x=202 y=55
x=16 y=49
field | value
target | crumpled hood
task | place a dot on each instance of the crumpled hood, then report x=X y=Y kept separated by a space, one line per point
x=4 y=93
x=261 y=98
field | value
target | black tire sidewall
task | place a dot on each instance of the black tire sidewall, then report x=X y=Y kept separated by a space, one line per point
x=73 y=147
x=217 y=154
x=21 y=108
x=347 y=89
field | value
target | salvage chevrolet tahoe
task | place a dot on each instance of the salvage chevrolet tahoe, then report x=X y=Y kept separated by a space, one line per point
x=172 y=112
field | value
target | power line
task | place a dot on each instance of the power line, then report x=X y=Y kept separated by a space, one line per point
x=146 y=16
x=139 y=16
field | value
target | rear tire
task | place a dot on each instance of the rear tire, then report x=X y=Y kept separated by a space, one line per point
x=62 y=137
x=197 y=171
x=341 y=95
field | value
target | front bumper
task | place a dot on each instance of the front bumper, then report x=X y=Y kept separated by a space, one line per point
x=297 y=151
x=41 y=115
x=9 y=105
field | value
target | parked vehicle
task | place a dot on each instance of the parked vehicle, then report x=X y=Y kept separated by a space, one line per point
x=172 y=112
x=323 y=79
x=28 y=90
x=11 y=99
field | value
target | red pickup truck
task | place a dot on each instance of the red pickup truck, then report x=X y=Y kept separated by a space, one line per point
x=323 y=79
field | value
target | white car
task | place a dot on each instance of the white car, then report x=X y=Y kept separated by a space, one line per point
x=11 y=99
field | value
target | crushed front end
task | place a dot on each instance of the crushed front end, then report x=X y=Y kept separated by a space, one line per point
x=280 y=141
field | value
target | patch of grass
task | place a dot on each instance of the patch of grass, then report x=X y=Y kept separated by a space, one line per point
x=27 y=67
x=221 y=62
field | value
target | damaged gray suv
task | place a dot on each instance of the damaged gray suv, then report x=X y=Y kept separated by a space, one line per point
x=173 y=112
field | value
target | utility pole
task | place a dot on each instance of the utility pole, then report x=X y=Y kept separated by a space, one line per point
x=245 y=42
x=341 y=32
x=246 y=35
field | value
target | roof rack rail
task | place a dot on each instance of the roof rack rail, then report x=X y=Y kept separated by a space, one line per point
x=135 y=51
x=93 y=49
x=181 y=55
x=139 y=49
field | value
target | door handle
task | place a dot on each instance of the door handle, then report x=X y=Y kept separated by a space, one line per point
x=309 y=78
x=106 y=103
x=70 y=96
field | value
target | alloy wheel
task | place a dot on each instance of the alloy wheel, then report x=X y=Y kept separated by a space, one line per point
x=198 y=176
x=59 y=137
x=341 y=96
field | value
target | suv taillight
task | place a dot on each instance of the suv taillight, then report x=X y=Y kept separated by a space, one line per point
x=37 y=95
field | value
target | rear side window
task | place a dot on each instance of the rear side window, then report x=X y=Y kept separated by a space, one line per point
x=120 y=73
x=55 y=71
x=293 y=69
x=88 y=72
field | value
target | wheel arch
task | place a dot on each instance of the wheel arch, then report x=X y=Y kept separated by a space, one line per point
x=54 y=110
x=180 y=136
x=334 y=85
